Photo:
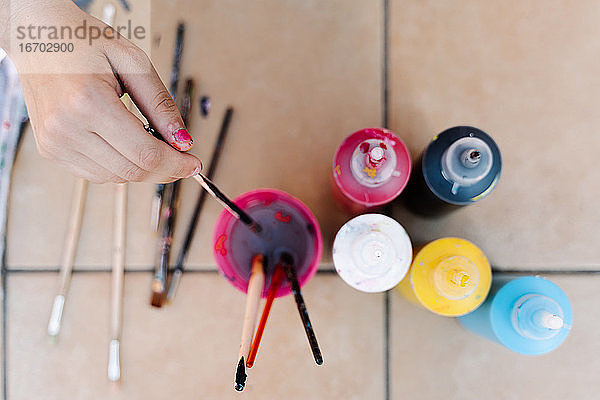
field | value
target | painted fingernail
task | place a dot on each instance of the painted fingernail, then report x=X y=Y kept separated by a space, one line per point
x=182 y=138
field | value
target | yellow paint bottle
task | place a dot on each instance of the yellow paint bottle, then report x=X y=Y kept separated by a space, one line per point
x=449 y=276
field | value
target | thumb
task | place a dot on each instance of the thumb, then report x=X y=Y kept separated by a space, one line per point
x=138 y=77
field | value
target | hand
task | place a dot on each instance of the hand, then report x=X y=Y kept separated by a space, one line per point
x=75 y=109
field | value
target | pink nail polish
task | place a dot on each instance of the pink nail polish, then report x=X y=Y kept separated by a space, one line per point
x=182 y=136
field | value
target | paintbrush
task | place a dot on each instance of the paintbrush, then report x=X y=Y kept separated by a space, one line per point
x=186 y=105
x=178 y=270
x=290 y=271
x=214 y=191
x=160 y=188
x=118 y=270
x=186 y=101
x=159 y=282
x=229 y=205
x=276 y=280
x=69 y=251
x=255 y=289
x=66 y=269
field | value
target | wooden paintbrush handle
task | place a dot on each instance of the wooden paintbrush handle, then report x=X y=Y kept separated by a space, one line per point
x=118 y=258
x=255 y=289
x=73 y=232
x=276 y=280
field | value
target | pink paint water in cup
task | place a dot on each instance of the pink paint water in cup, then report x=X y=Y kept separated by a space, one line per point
x=370 y=169
x=287 y=225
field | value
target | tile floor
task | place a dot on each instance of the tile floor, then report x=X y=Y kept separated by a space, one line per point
x=302 y=76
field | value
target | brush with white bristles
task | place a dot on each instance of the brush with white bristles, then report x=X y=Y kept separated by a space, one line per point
x=118 y=252
x=68 y=256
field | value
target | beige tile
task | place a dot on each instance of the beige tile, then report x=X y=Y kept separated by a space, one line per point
x=301 y=76
x=526 y=72
x=434 y=357
x=189 y=349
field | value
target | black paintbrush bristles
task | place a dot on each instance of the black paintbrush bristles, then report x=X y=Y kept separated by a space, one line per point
x=240 y=375
x=228 y=204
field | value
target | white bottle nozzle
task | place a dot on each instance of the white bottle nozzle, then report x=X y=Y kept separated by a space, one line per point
x=547 y=320
x=376 y=153
x=470 y=158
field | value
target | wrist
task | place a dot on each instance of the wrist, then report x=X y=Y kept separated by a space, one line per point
x=23 y=12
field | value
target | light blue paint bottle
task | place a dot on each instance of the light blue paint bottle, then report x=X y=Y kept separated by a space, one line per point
x=529 y=315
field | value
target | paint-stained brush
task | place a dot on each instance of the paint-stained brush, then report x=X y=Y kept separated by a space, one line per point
x=68 y=257
x=193 y=222
x=214 y=191
x=158 y=199
x=229 y=205
x=255 y=289
x=186 y=101
x=118 y=270
x=276 y=280
x=159 y=283
x=290 y=271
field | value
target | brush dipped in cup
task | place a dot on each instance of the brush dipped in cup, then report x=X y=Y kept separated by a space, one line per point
x=287 y=261
x=278 y=276
x=255 y=288
x=215 y=192
x=288 y=225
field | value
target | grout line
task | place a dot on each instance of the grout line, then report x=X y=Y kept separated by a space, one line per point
x=325 y=266
x=133 y=271
x=386 y=343
x=545 y=272
x=385 y=122
x=385 y=67
x=322 y=271
x=328 y=269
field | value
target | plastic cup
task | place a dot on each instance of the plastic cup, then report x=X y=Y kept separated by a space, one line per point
x=288 y=225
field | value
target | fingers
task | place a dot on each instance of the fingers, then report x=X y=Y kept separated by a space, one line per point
x=126 y=134
x=83 y=167
x=125 y=148
x=91 y=130
x=96 y=148
x=140 y=80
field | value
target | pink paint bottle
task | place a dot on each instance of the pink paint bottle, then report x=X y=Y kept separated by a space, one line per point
x=370 y=169
x=287 y=225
